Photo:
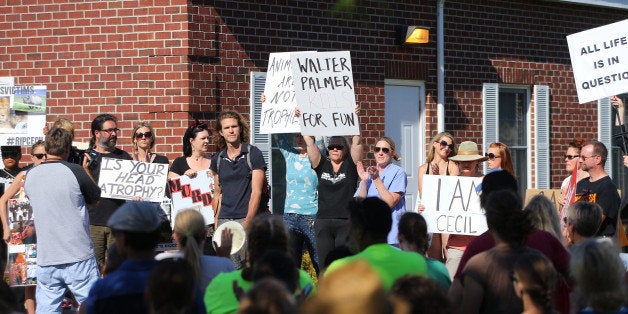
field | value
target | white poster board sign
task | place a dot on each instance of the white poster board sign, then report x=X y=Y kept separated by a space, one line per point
x=452 y=205
x=278 y=109
x=323 y=83
x=193 y=193
x=599 y=58
x=22 y=114
x=125 y=179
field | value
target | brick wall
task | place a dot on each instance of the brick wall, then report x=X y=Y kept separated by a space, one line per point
x=173 y=61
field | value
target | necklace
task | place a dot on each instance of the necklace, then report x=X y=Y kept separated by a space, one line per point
x=10 y=175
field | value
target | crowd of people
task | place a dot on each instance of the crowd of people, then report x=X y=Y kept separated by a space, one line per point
x=369 y=251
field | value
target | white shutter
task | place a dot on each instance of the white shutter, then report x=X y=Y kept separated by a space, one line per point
x=541 y=119
x=261 y=141
x=604 y=126
x=490 y=118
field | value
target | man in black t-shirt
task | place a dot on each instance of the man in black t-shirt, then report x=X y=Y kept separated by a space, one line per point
x=103 y=144
x=598 y=187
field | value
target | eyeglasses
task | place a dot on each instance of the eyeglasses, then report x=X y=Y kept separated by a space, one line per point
x=585 y=158
x=386 y=150
x=570 y=157
x=444 y=143
x=492 y=156
x=338 y=147
x=148 y=134
x=109 y=131
x=38 y=156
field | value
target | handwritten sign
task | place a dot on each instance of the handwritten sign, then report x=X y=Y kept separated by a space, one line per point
x=278 y=109
x=126 y=179
x=22 y=114
x=324 y=90
x=193 y=193
x=599 y=58
x=452 y=205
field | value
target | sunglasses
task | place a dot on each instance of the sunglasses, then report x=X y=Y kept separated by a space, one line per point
x=386 y=150
x=338 y=147
x=444 y=143
x=570 y=157
x=148 y=134
x=492 y=156
x=39 y=156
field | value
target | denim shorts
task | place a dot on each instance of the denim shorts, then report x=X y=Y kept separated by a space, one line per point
x=53 y=280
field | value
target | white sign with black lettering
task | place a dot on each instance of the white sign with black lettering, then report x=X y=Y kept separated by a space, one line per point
x=325 y=93
x=126 y=179
x=452 y=205
x=599 y=58
x=278 y=109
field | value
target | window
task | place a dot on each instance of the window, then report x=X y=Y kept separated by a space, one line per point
x=507 y=120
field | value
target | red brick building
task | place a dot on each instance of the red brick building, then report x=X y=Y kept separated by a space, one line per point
x=173 y=61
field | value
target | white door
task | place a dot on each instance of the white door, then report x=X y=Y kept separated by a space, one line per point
x=405 y=104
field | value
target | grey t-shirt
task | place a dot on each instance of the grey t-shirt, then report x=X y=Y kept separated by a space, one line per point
x=58 y=192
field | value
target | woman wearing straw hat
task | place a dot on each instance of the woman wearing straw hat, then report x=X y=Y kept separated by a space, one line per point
x=467 y=159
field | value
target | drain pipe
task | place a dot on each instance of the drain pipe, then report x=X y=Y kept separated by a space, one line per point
x=440 y=65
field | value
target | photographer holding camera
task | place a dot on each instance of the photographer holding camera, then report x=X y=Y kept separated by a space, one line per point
x=104 y=132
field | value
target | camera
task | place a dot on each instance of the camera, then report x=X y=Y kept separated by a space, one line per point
x=77 y=156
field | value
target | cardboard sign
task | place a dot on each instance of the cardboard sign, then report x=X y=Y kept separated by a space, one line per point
x=599 y=58
x=193 y=193
x=325 y=94
x=552 y=194
x=278 y=109
x=22 y=114
x=126 y=179
x=452 y=205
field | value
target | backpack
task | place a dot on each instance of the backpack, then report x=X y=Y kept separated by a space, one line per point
x=266 y=193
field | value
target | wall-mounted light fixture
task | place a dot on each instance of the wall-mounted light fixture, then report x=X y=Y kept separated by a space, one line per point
x=416 y=35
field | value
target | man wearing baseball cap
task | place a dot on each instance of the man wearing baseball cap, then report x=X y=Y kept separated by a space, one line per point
x=135 y=226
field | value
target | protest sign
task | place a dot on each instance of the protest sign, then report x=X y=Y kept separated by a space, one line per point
x=126 y=179
x=324 y=90
x=22 y=114
x=552 y=194
x=278 y=109
x=22 y=246
x=452 y=205
x=193 y=193
x=599 y=58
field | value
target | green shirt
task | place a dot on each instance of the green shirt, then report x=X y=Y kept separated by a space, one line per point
x=437 y=271
x=220 y=298
x=389 y=262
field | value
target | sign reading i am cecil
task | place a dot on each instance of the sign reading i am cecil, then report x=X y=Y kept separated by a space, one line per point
x=452 y=205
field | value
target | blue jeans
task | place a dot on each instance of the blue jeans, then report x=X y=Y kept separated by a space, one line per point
x=53 y=280
x=301 y=229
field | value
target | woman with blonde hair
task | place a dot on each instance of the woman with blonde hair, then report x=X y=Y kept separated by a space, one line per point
x=189 y=234
x=143 y=139
x=544 y=215
x=386 y=181
x=437 y=160
x=499 y=157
